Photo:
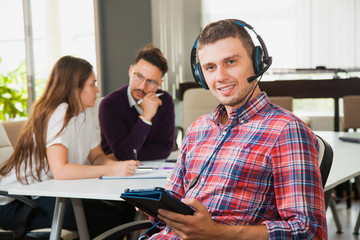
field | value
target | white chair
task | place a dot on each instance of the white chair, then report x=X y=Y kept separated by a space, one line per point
x=196 y=102
x=284 y=102
x=351 y=112
x=13 y=129
x=6 y=148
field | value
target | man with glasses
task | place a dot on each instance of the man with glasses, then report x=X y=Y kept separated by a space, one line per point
x=137 y=121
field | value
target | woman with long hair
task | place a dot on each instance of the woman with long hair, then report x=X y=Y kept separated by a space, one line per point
x=56 y=142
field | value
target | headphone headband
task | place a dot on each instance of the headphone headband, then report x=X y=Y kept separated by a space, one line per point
x=260 y=57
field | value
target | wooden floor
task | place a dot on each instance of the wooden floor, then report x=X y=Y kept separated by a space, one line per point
x=347 y=217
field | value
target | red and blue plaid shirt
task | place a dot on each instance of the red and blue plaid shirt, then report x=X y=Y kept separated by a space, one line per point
x=266 y=172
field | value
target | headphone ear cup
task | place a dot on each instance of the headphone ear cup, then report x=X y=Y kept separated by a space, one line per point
x=258 y=59
x=200 y=77
x=196 y=68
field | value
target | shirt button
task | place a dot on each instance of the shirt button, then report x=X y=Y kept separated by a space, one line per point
x=202 y=179
x=224 y=133
x=242 y=121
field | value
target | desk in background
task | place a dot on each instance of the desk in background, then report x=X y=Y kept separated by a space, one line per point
x=345 y=166
x=346 y=160
x=326 y=88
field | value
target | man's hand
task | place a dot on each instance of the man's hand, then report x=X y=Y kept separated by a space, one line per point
x=150 y=105
x=198 y=226
x=201 y=226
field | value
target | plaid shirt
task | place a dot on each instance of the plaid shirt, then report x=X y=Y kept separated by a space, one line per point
x=266 y=172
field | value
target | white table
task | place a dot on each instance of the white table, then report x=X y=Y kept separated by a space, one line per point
x=93 y=188
x=346 y=161
x=345 y=166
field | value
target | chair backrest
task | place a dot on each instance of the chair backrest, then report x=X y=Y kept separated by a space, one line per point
x=6 y=149
x=284 y=102
x=325 y=159
x=197 y=102
x=351 y=112
x=13 y=129
x=125 y=229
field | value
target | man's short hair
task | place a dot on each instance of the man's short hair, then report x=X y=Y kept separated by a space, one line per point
x=154 y=56
x=224 y=29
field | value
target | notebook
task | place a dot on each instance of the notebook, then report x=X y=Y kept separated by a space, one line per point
x=351 y=137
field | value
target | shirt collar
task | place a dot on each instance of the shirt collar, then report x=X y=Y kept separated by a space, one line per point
x=250 y=109
x=132 y=102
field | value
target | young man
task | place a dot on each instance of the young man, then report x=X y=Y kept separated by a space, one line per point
x=138 y=120
x=262 y=181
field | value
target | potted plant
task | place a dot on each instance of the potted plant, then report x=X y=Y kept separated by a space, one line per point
x=13 y=93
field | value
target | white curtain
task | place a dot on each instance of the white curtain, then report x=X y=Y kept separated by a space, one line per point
x=299 y=33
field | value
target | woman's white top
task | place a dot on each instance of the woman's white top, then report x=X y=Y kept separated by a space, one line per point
x=79 y=137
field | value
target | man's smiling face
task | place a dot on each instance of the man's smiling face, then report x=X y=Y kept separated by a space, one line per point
x=226 y=66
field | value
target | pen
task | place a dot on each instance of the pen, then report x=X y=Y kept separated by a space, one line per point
x=145 y=168
x=154 y=168
x=135 y=154
x=158 y=95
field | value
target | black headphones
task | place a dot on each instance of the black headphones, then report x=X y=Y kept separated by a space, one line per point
x=260 y=58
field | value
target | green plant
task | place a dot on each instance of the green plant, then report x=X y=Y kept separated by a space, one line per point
x=13 y=93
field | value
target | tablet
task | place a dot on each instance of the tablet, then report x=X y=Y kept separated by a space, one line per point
x=150 y=200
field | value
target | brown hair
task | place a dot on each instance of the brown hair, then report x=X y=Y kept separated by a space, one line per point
x=67 y=77
x=224 y=29
x=154 y=56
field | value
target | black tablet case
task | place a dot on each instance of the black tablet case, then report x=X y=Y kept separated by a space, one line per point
x=150 y=200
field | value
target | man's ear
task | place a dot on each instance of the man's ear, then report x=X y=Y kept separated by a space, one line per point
x=162 y=80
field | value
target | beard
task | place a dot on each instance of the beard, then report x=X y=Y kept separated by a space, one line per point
x=239 y=99
x=135 y=93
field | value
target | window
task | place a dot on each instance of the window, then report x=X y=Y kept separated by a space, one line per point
x=300 y=34
x=12 y=44
x=59 y=27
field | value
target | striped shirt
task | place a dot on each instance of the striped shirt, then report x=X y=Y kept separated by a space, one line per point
x=266 y=171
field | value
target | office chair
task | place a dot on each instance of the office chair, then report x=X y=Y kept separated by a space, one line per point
x=6 y=150
x=21 y=229
x=351 y=112
x=285 y=102
x=325 y=159
x=196 y=102
x=21 y=232
x=125 y=230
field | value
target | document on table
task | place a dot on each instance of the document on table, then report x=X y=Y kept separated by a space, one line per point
x=148 y=170
x=351 y=137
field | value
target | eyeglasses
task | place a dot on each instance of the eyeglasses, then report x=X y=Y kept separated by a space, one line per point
x=139 y=78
